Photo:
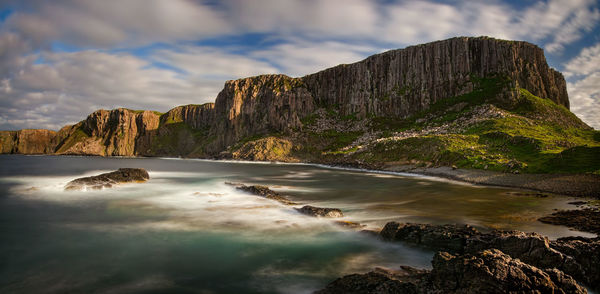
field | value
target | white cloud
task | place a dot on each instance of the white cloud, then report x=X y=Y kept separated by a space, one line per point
x=108 y=23
x=302 y=36
x=298 y=58
x=587 y=62
x=585 y=99
x=71 y=85
x=584 y=92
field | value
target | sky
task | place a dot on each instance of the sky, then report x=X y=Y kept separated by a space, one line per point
x=63 y=59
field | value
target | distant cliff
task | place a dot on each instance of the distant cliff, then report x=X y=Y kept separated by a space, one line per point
x=338 y=113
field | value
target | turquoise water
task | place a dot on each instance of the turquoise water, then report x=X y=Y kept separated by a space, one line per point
x=186 y=231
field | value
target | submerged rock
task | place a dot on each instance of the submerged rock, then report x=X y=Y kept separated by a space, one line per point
x=487 y=271
x=107 y=180
x=264 y=192
x=320 y=211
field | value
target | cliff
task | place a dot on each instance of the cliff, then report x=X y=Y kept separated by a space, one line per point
x=443 y=103
x=27 y=141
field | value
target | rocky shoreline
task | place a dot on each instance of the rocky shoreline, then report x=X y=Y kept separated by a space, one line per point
x=469 y=261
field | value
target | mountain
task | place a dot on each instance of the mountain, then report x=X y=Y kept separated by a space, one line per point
x=471 y=102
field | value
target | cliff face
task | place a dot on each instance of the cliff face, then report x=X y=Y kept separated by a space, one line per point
x=392 y=85
x=195 y=116
x=27 y=141
x=119 y=132
x=258 y=105
x=405 y=81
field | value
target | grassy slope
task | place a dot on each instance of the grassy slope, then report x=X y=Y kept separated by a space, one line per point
x=537 y=136
x=534 y=135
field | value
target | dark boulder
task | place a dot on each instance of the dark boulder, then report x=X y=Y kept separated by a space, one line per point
x=487 y=271
x=108 y=180
x=320 y=211
x=585 y=220
x=492 y=271
x=577 y=257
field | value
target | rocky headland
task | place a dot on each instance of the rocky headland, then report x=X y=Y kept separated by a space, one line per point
x=473 y=103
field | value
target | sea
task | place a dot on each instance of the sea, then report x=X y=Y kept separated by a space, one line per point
x=187 y=231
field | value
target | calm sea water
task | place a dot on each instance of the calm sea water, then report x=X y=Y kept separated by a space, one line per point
x=186 y=231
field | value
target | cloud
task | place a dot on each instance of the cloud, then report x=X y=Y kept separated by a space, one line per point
x=211 y=63
x=587 y=62
x=109 y=23
x=43 y=88
x=68 y=86
x=584 y=92
x=298 y=57
x=585 y=99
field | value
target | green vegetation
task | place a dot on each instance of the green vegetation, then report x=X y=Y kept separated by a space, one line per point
x=78 y=135
x=536 y=136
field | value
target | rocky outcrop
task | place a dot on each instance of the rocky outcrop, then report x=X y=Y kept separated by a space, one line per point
x=487 y=271
x=530 y=248
x=108 y=180
x=320 y=211
x=585 y=220
x=586 y=255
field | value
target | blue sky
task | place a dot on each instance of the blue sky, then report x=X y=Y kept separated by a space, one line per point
x=62 y=59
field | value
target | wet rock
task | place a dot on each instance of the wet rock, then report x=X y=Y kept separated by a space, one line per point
x=492 y=271
x=585 y=220
x=531 y=248
x=487 y=271
x=107 y=180
x=378 y=281
x=320 y=211
x=447 y=237
x=349 y=224
x=585 y=256
x=264 y=192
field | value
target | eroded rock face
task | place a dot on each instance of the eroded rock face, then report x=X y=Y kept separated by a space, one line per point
x=259 y=105
x=320 y=211
x=405 y=81
x=108 y=180
x=487 y=271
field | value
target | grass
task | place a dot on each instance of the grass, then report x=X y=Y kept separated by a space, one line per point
x=538 y=137
x=79 y=135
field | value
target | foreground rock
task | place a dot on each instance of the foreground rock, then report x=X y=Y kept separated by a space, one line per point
x=108 y=180
x=320 y=211
x=264 y=192
x=577 y=257
x=486 y=271
x=585 y=220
